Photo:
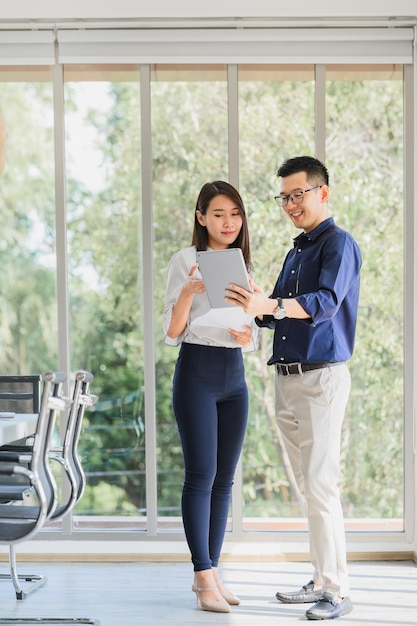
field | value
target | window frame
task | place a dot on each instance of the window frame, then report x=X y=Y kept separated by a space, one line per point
x=273 y=45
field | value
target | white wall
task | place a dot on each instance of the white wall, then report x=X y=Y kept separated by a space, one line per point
x=136 y=9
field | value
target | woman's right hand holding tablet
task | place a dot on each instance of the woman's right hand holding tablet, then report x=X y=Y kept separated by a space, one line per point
x=194 y=285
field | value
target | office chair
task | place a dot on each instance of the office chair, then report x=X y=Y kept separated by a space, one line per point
x=66 y=454
x=20 y=393
x=19 y=522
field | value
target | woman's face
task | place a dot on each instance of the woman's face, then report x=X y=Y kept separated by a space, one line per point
x=223 y=221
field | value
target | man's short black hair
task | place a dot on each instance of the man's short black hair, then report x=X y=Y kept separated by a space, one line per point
x=315 y=171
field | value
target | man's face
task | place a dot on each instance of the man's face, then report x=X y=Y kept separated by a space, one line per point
x=312 y=209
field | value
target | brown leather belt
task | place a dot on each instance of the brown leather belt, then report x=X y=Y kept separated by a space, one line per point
x=285 y=369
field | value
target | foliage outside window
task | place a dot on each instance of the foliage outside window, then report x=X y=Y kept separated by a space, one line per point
x=189 y=112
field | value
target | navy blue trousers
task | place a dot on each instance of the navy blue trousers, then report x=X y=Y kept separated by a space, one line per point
x=210 y=400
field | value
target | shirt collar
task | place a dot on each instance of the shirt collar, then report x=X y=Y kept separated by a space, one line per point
x=316 y=232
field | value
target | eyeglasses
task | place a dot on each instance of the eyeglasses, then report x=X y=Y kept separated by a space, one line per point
x=296 y=197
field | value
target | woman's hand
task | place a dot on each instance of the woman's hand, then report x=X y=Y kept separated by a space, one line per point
x=243 y=338
x=194 y=285
x=182 y=307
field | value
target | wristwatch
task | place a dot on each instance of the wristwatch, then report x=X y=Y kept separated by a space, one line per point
x=280 y=311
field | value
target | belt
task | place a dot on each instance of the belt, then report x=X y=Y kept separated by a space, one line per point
x=298 y=368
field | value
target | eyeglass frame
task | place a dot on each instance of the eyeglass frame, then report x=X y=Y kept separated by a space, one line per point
x=282 y=200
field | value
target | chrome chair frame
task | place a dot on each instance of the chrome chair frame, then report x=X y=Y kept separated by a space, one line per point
x=68 y=457
x=20 y=523
x=67 y=454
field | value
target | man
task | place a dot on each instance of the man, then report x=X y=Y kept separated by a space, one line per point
x=313 y=310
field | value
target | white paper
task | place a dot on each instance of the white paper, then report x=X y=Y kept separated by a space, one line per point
x=230 y=317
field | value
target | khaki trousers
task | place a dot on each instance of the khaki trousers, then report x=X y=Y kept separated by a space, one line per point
x=310 y=408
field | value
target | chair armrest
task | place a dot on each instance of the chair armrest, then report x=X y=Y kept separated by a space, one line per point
x=17 y=470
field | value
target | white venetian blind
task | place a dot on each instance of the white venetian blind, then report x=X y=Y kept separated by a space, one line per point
x=27 y=47
x=233 y=45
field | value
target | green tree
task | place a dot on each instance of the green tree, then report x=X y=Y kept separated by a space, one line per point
x=28 y=324
x=189 y=144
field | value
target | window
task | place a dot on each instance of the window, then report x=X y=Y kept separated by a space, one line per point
x=27 y=250
x=189 y=138
x=102 y=121
x=189 y=147
x=140 y=140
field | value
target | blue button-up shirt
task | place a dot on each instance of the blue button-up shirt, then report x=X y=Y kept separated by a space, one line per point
x=322 y=273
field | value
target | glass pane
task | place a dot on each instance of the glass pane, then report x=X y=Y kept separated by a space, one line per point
x=364 y=107
x=277 y=120
x=189 y=145
x=102 y=122
x=364 y=144
x=28 y=323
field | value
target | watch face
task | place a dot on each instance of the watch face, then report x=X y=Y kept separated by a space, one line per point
x=280 y=313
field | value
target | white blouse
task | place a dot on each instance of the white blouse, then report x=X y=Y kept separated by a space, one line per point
x=178 y=270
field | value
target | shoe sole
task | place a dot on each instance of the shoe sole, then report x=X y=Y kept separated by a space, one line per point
x=315 y=618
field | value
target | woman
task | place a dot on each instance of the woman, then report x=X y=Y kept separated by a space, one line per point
x=210 y=396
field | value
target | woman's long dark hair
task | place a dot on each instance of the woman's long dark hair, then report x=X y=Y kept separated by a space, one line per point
x=206 y=195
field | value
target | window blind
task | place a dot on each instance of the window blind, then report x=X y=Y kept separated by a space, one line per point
x=27 y=47
x=232 y=45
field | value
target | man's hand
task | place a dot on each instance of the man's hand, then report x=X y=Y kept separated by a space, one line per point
x=256 y=303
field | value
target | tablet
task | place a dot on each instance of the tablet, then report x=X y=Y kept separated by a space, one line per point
x=218 y=269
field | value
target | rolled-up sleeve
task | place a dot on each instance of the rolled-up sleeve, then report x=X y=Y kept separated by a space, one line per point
x=177 y=272
x=340 y=268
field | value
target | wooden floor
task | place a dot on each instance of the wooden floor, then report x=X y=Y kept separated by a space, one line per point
x=147 y=594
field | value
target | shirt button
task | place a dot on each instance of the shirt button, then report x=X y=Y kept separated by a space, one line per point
x=281 y=358
x=292 y=271
x=299 y=250
x=283 y=338
x=290 y=293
